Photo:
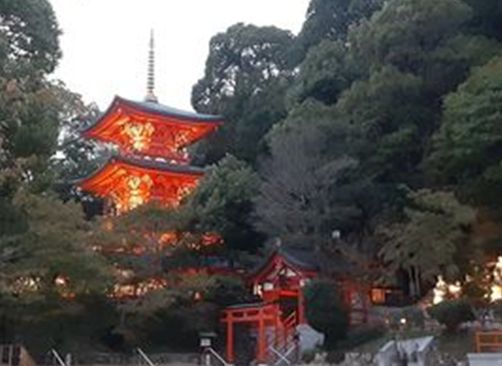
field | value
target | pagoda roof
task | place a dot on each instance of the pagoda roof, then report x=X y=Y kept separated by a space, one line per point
x=164 y=110
x=155 y=109
x=146 y=165
x=158 y=165
x=150 y=128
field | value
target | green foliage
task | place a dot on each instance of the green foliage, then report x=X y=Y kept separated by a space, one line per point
x=297 y=200
x=431 y=239
x=325 y=312
x=389 y=119
x=331 y=19
x=335 y=357
x=422 y=38
x=405 y=32
x=223 y=203
x=308 y=356
x=29 y=49
x=452 y=314
x=486 y=19
x=53 y=244
x=324 y=74
x=362 y=335
x=246 y=77
x=227 y=291
x=75 y=326
x=466 y=146
x=29 y=36
x=171 y=318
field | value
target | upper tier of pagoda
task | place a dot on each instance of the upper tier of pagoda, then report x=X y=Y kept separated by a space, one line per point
x=130 y=182
x=151 y=129
x=152 y=162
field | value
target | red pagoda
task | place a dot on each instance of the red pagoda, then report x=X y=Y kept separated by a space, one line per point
x=152 y=163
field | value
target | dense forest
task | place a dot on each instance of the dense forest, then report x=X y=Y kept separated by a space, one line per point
x=377 y=123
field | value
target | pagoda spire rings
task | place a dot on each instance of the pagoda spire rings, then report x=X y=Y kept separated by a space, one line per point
x=150 y=85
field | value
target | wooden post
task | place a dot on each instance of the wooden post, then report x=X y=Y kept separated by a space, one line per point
x=262 y=344
x=230 y=338
x=301 y=307
x=277 y=325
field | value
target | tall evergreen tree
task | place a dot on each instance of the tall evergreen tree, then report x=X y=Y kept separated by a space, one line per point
x=467 y=148
x=332 y=19
x=247 y=73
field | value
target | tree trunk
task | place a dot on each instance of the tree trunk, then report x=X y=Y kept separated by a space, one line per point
x=411 y=282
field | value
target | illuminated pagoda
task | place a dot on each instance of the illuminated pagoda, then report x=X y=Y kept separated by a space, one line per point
x=152 y=163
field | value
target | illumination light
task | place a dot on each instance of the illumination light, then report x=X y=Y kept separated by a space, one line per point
x=140 y=135
x=496 y=287
x=440 y=291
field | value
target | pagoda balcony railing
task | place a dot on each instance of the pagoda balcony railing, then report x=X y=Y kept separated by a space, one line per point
x=173 y=159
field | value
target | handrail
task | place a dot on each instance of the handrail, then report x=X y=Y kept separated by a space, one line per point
x=58 y=357
x=290 y=321
x=218 y=357
x=145 y=357
x=291 y=318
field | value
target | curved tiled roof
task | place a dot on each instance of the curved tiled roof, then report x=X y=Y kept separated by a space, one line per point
x=157 y=109
x=145 y=164
x=164 y=110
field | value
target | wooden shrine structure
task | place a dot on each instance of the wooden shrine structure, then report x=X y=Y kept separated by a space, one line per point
x=279 y=283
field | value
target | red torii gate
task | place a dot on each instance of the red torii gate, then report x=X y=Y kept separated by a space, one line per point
x=260 y=315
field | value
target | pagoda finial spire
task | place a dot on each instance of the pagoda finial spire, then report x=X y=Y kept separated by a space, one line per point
x=150 y=87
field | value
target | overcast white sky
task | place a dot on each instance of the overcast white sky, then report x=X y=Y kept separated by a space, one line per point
x=105 y=42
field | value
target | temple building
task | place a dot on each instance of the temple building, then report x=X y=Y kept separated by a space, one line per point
x=278 y=317
x=150 y=163
x=151 y=139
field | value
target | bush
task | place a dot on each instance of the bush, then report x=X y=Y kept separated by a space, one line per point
x=225 y=291
x=414 y=315
x=335 y=357
x=308 y=356
x=326 y=313
x=361 y=335
x=496 y=308
x=452 y=313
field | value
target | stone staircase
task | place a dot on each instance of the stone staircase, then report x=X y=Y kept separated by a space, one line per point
x=282 y=341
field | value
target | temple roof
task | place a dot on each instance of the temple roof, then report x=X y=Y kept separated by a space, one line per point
x=163 y=110
x=153 y=166
x=155 y=109
x=302 y=260
x=151 y=129
x=158 y=165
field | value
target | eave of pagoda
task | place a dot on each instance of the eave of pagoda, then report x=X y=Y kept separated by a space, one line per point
x=151 y=129
x=128 y=183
